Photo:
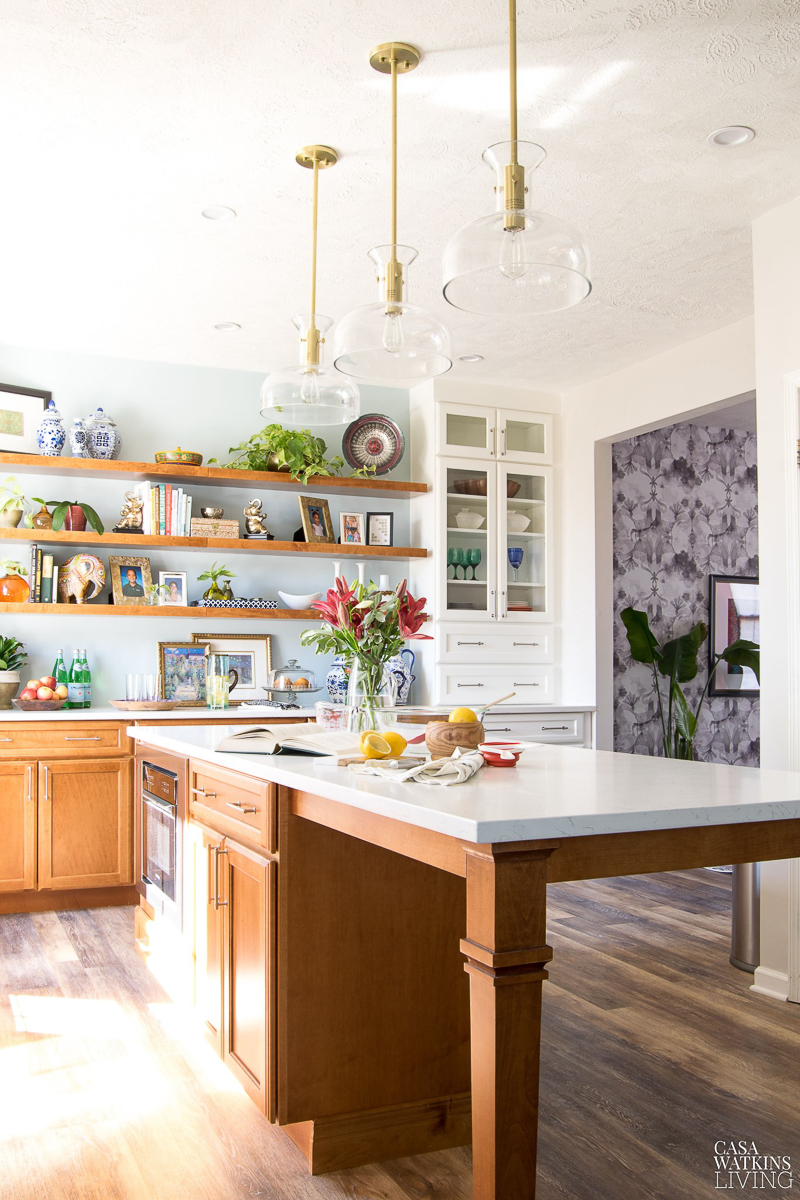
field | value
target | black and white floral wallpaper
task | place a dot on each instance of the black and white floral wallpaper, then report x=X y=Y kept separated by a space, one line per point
x=685 y=507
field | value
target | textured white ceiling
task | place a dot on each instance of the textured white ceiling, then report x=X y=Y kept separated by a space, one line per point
x=122 y=119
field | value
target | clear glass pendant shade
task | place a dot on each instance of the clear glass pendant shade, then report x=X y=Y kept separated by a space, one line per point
x=311 y=393
x=516 y=260
x=392 y=341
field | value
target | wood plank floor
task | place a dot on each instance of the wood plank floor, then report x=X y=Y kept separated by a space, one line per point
x=655 y=1049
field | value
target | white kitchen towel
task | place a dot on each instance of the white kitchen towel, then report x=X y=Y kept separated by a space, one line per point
x=460 y=767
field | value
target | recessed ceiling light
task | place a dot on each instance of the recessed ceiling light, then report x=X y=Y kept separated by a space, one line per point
x=470 y=358
x=218 y=212
x=731 y=135
x=227 y=326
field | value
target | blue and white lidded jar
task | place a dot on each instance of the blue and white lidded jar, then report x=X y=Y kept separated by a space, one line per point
x=337 y=679
x=102 y=439
x=77 y=439
x=51 y=434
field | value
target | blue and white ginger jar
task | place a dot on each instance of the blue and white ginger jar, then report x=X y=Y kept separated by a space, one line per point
x=51 y=434
x=402 y=673
x=102 y=439
x=77 y=439
x=337 y=679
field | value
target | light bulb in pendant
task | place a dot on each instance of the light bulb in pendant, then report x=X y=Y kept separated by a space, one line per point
x=393 y=338
x=512 y=260
x=309 y=387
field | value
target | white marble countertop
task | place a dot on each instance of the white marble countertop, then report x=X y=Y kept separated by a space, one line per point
x=555 y=791
x=107 y=713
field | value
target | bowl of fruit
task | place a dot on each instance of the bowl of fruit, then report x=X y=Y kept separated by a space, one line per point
x=462 y=728
x=41 y=695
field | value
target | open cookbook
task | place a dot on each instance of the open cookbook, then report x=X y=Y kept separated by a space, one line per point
x=283 y=739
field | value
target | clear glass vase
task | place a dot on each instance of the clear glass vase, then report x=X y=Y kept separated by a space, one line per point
x=371 y=691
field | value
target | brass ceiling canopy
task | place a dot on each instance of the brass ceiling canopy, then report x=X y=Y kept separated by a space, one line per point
x=317 y=156
x=404 y=56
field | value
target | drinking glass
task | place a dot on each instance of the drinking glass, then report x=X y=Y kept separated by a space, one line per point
x=451 y=561
x=151 y=687
x=515 y=556
x=474 y=559
x=459 y=560
x=133 y=687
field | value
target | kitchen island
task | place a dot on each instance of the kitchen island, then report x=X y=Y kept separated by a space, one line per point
x=377 y=896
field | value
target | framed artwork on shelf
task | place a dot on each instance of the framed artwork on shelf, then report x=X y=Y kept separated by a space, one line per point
x=130 y=578
x=733 y=609
x=176 y=588
x=351 y=528
x=21 y=410
x=316 y=517
x=380 y=529
x=250 y=656
x=182 y=666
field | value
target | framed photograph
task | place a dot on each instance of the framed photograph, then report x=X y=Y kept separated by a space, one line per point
x=316 y=516
x=175 y=583
x=183 y=673
x=21 y=410
x=250 y=655
x=351 y=528
x=129 y=578
x=380 y=529
x=733 y=613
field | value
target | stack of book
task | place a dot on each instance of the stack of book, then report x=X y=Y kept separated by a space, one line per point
x=208 y=527
x=43 y=577
x=167 y=510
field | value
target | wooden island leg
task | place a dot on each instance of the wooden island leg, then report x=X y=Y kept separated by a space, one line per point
x=506 y=957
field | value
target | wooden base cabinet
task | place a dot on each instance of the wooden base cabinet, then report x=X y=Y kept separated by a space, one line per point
x=85 y=824
x=18 y=825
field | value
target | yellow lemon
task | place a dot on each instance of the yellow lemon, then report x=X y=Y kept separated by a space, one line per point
x=375 y=746
x=462 y=714
x=397 y=742
x=362 y=739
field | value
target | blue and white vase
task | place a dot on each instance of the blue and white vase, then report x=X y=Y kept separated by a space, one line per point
x=102 y=439
x=77 y=439
x=402 y=673
x=51 y=434
x=337 y=679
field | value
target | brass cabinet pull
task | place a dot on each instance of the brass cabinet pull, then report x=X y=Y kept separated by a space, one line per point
x=217 y=902
x=69 y=738
x=237 y=804
x=203 y=792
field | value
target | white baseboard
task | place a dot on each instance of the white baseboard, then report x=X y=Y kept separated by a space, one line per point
x=770 y=983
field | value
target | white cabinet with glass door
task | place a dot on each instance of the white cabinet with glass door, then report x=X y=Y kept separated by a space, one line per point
x=495 y=541
x=493 y=434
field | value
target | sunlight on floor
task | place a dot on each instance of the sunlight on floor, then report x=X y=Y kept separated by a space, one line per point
x=68 y=1017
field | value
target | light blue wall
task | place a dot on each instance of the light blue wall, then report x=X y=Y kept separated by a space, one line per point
x=157 y=406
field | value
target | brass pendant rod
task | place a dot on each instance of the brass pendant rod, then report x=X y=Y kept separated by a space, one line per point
x=394 y=151
x=315 y=194
x=512 y=70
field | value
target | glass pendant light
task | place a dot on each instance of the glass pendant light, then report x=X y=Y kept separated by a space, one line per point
x=392 y=341
x=311 y=394
x=515 y=261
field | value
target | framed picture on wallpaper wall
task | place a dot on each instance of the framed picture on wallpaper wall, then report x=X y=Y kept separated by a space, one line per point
x=733 y=613
x=21 y=410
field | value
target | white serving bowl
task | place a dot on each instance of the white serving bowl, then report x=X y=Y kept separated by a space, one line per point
x=291 y=601
x=517 y=522
x=469 y=520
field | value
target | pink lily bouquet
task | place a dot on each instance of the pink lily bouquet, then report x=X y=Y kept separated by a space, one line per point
x=367 y=627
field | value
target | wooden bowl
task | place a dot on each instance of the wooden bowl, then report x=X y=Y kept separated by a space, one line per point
x=144 y=705
x=477 y=487
x=38 y=705
x=442 y=737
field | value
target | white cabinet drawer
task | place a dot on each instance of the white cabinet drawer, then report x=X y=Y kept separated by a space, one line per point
x=565 y=728
x=467 y=643
x=480 y=684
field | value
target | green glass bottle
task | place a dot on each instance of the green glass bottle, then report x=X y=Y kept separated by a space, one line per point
x=75 y=683
x=59 y=673
x=86 y=676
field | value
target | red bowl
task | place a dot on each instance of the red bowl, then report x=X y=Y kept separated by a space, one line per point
x=492 y=757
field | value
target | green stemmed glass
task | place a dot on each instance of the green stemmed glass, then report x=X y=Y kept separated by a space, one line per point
x=474 y=559
x=451 y=561
x=459 y=560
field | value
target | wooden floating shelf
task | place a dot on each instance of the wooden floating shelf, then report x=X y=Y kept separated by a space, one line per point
x=247 y=545
x=95 y=468
x=164 y=610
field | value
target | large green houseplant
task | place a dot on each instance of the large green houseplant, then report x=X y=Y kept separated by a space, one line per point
x=676 y=662
x=297 y=451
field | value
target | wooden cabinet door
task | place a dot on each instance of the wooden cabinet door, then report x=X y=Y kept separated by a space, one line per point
x=208 y=916
x=248 y=992
x=85 y=824
x=18 y=825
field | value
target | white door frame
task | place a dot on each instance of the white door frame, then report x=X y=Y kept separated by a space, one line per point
x=791 y=413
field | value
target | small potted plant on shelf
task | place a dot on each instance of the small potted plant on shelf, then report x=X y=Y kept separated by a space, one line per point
x=215 y=573
x=12 y=504
x=74 y=515
x=297 y=451
x=12 y=657
x=13 y=588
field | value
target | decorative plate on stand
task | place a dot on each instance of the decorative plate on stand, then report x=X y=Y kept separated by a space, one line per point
x=373 y=441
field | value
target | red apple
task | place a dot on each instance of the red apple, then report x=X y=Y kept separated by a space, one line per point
x=47 y=681
x=32 y=685
x=44 y=693
x=28 y=694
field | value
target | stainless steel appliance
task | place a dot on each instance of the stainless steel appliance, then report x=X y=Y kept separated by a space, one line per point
x=161 y=812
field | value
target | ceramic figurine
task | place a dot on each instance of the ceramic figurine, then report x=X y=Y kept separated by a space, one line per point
x=81 y=578
x=401 y=671
x=337 y=679
x=51 y=434
x=77 y=439
x=102 y=439
x=254 y=521
x=131 y=517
